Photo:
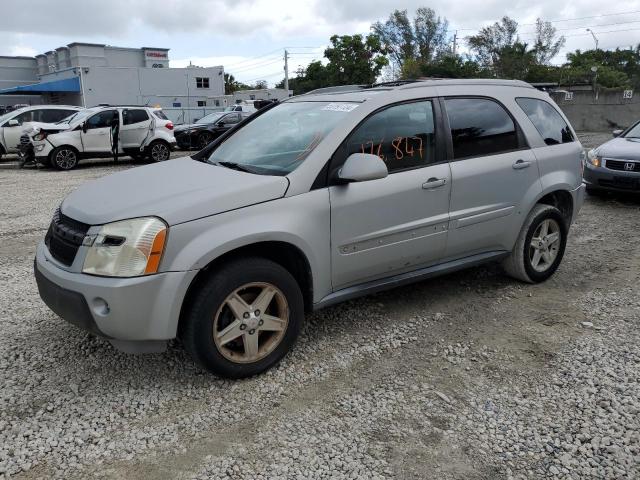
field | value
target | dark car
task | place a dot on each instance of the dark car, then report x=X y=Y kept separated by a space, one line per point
x=199 y=134
x=615 y=165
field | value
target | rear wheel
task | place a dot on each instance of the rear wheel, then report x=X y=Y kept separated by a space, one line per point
x=64 y=158
x=244 y=319
x=540 y=245
x=159 y=151
x=203 y=140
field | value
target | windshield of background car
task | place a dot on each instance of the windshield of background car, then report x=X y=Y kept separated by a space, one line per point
x=80 y=115
x=634 y=132
x=280 y=139
x=211 y=118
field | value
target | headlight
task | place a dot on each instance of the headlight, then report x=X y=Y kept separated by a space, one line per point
x=593 y=158
x=38 y=137
x=128 y=248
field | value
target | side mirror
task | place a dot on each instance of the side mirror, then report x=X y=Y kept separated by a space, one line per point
x=14 y=123
x=616 y=133
x=220 y=124
x=361 y=167
x=84 y=127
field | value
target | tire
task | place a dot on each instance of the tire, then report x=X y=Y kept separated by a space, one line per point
x=203 y=140
x=64 y=158
x=521 y=263
x=240 y=283
x=159 y=151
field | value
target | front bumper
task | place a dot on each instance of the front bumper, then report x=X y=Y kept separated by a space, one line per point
x=600 y=178
x=124 y=310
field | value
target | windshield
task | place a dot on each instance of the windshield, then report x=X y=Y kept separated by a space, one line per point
x=634 y=132
x=279 y=140
x=211 y=118
x=79 y=115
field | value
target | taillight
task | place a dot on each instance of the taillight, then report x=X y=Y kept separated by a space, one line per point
x=169 y=126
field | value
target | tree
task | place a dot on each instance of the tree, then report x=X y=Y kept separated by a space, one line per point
x=490 y=41
x=354 y=59
x=232 y=85
x=307 y=79
x=397 y=37
x=545 y=45
x=261 y=85
x=430 y=33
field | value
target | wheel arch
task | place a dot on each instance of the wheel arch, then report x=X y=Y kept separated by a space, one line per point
x=285 y=254
x=64 y=145
x=562 y=200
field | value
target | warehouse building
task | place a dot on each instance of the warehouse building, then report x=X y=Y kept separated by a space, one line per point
x=88 y=74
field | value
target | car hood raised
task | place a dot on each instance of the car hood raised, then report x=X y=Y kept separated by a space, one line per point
x=622 y=148
x=176 y=191
x=32 y=127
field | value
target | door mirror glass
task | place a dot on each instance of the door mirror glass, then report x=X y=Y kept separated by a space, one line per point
x=361 y=167
x=616 y=133
x=14 y=123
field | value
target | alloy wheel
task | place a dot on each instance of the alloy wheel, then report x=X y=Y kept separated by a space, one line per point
x=159 y=152
x=545 y=244
x=66 y=159
x=251 y=322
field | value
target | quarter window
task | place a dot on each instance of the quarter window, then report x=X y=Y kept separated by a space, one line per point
x=403 y=136
x=202 y=82
x=551 y=126
x=480 y=126
x=129 y=117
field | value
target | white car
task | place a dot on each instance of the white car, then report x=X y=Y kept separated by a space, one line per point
x=144 y=132
x=241 y=107
x=13 y=124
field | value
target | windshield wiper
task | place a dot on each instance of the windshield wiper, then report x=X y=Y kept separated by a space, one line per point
x=237 y=166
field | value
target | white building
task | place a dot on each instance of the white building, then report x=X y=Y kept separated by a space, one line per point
x=88 y=74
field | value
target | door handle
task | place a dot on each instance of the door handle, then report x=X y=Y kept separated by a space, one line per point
x=520 y=164
x=434 y=183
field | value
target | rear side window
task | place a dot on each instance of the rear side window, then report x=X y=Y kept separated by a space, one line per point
x=129 y=117
x=479 y=127
x=403 y=136
x=547 y=120
x=160 y=114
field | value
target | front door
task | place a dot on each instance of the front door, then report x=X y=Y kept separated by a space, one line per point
x=12 y=134
x=135 y=127
x=97 y=137
x=399 y=223
x=493 y=172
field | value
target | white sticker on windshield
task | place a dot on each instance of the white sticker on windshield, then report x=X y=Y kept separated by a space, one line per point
x=340 y=107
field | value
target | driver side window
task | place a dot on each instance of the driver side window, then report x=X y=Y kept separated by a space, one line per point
x=101 y=120
x=24 y=117
x=403 y=136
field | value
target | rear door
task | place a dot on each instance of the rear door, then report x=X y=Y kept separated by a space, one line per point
x=134 y=128
x=493 y=170
x=98 y=138
x=399 y=223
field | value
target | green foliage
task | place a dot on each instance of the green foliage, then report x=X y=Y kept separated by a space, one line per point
x=232 y=85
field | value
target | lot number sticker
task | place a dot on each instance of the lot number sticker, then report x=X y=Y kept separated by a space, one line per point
x=568 y=95
x=340 y=107
x=627 y=94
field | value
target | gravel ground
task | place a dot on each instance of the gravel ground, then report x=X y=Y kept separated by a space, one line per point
x=469 y=376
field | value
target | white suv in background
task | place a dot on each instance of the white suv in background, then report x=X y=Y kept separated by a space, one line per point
x=144 y=132
x=14 y=123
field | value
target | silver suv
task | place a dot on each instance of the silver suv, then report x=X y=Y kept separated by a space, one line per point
x=316 y=200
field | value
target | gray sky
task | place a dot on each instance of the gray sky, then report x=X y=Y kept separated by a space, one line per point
x=248 y=36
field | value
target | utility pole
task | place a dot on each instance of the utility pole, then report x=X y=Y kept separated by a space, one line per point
x=455 y=38
x=595 y=39
x=286 y=71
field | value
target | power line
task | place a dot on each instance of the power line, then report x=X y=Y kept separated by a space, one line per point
x=250 y=59
x=587 y=26
x=253 y=67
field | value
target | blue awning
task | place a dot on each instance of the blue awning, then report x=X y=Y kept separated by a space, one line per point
x=66 y=85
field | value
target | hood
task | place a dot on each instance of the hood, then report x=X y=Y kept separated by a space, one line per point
x=176 y=191
x=622 y=148
x=32 y=127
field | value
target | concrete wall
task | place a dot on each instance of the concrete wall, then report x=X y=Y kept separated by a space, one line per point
x=608 y=112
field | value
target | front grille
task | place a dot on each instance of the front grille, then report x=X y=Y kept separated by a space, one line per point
x=24 y=139
x=64 y=237
x=623 y=183
x=622 y=165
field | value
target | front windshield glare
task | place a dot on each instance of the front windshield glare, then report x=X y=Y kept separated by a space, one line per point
x=634 y=132
x=279 y=140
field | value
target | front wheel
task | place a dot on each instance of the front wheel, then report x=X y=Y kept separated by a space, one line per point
x=64 y=158
x=540 y=245
x=159 y=151
x=244 y=318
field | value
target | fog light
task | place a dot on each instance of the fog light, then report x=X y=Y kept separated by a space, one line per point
x=100 y=306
